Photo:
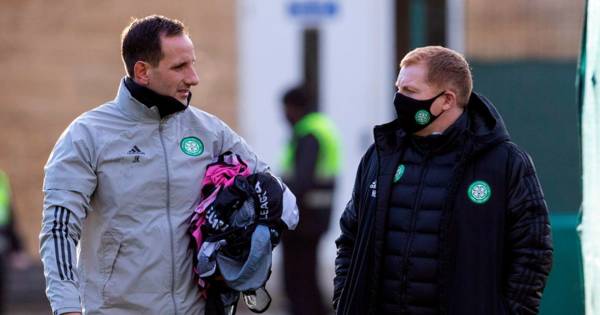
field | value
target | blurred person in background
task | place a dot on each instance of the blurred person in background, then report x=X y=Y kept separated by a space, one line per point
x=11 y=248
x=311 y=164
x=122 y=183
x=447 y=215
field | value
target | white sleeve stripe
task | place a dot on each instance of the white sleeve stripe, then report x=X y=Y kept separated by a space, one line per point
x=62 y=241
x=62 y=250
x=56 y=243
x=68 y=243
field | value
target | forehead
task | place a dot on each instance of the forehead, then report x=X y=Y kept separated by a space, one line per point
x=177 y=47
x=414 y=74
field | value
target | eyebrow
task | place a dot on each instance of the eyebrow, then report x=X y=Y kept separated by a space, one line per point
x=183 y=62
x=409 y=88
x=177 y=65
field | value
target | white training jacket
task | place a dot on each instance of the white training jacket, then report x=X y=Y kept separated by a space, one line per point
x=120 y=187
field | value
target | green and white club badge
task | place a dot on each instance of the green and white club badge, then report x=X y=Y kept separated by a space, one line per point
x=422 y=117
x=399 y=173
x=479 y=192
x=191 y=146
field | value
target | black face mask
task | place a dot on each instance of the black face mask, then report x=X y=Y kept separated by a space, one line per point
x=414 y=115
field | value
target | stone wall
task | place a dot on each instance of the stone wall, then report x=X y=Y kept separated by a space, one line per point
x=61 y=58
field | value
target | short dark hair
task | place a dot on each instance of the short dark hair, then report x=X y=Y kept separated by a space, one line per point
x=140 y=40
x=297 y=97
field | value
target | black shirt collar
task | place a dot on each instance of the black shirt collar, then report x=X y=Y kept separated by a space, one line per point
x=166 y=105
x=445 y=140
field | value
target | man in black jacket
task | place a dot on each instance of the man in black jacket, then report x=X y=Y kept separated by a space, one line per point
x=447 y=215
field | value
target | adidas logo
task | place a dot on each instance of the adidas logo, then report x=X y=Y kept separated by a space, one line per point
x=135 y=150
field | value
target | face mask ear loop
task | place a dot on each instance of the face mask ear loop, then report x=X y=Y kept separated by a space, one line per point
x=433 y=100
x=435 y=97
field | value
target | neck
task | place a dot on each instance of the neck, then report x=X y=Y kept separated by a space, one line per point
x=441 y=123
x=299 y=117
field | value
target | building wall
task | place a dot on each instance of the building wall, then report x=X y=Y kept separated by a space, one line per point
x=517 y=29
x=61 y=58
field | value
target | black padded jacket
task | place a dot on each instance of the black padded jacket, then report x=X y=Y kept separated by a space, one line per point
x=494 y=256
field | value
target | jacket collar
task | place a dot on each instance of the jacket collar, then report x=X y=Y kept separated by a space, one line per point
x=388 y=137
x=442 y=142
x=141 y=103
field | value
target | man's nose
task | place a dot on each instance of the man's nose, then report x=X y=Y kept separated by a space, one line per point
x=191 y=77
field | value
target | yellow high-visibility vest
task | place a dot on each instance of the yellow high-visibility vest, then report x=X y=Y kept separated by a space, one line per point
x=4 y=199
x=328 y=162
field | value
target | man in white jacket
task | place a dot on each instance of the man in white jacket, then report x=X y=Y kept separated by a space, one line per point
x=123 y=181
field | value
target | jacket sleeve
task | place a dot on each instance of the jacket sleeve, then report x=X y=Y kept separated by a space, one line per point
x=528 y=236
x=231 y=141
x=345 y=245
x=69 y=182
x=345 y=242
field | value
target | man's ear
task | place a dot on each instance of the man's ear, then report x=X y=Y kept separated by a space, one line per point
x=140 y=73
x=450 y=100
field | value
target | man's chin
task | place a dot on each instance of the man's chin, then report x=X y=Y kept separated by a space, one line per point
x=181 y=99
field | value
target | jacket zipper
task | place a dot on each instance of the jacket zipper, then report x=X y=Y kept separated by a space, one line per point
x=413 y=222
x=160 y=132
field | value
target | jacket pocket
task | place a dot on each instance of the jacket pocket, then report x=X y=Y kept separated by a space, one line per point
x=109 y=251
